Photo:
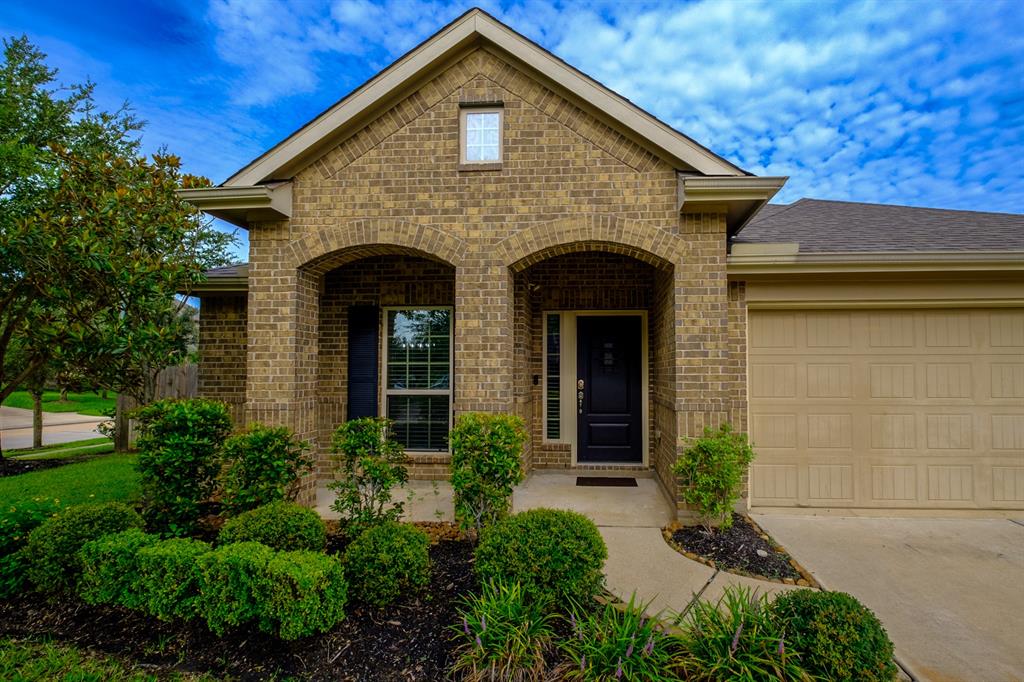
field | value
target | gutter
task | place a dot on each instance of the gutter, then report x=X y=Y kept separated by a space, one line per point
x=783 y=259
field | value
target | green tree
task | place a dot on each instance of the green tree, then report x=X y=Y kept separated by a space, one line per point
x=94 y=240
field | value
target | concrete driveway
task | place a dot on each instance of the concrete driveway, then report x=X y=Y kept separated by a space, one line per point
x=58 y=427
x=949 y=591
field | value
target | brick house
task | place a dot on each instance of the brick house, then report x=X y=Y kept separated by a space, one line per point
x=482 y=227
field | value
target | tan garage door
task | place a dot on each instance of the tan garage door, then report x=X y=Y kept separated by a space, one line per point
x=888 y=408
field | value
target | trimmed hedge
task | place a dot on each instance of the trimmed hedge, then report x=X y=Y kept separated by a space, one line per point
x=110 y=568
x=168 y=578
x=556 y=556
x=233 y=584
x=284 y=526
x=836 y=636
x=386 y=560
x=307 y=594
x=52 y=550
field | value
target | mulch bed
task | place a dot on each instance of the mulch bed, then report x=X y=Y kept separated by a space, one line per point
x=743 y=548
x=409 y=640
x=13 y=467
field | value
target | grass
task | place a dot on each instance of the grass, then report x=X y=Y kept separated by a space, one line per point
x=43 y=662
x=82 y=403
x=89 y=446
x=106 y=479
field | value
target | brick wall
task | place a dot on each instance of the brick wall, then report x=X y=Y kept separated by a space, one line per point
x=222 y=352
x=568 y=183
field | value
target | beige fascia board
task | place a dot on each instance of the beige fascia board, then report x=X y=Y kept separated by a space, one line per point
x=764 y=250
x=242 y=205
x=742 y=265
x=475 y=27
x=699 y=189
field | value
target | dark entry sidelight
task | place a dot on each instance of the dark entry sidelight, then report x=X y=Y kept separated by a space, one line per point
x=609 y=400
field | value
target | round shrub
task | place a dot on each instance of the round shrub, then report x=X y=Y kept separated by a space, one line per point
x=307 y=594
x=233 y=584
x=386 y=560
x=54 y=563
x=168 y=578
x=557 y=556
x=280 y=525
x=110 y=568
x=836 y=636
x=262 y=466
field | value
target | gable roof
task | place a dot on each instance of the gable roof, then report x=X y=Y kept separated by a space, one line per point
x=472 y=29
x=844 y=226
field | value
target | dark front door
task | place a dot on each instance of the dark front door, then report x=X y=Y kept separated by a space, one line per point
x=609 y=401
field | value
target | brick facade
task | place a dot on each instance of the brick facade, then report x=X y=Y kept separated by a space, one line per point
x=577 y=216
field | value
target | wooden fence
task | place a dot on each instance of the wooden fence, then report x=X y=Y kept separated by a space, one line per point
x=181 y=381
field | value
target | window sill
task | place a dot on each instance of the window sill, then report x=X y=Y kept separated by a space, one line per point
x=471 y=167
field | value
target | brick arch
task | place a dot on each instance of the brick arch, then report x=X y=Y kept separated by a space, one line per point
x=591 y=232
x=331 y=247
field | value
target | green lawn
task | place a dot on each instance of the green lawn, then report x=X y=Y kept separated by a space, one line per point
x=83 y=403
x=105 y=479
x=89 y=446
x=27 y=661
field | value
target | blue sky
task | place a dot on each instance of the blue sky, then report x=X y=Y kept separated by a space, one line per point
x=918 y=103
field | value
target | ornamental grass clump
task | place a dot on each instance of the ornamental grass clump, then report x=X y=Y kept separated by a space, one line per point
x=617 y=642
x=836 y=637
x=711 y=471
x=486 y=465
x=736 y=639
x=502 y=635
x=371 y=466
x=556 y=556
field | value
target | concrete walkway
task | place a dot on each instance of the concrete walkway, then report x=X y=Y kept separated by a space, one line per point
x=58 y=427
x=949 y=591
x=630 y=521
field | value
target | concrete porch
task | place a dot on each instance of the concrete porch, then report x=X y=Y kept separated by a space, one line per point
x=645 y=506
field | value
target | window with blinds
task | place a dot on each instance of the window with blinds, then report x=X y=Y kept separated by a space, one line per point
x=418 y=364
x=552 y=387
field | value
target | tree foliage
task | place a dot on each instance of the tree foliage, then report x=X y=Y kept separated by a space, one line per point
x=94 y=241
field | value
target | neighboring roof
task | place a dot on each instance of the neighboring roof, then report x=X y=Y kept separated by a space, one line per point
x=474 y=27
x=230 y=279
x=843 y=226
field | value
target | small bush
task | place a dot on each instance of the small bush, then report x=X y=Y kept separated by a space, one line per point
x=735 y=638
x=110 y=568
x=387 y=560
x=15 y=525
x=711 y=471
x=371 y=465
x=307 y=594
x=52 y=549
x=557 y=556
x=617 y=643
x=280 y=525
x=486 y=465
x=503 y=635
x=179 y=444
x=836 y=637
x=234 y=585
x=168 y=578
x=262 y=466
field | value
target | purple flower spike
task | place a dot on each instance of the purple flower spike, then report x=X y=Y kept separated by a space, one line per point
x=572 y=619
x=782 y=646
x=583 y=662
x=618 y=671
x=649 y=647
x=483 y=623
x=736 y=639
x=478 y=642
x=629 y=650
x=465 y=626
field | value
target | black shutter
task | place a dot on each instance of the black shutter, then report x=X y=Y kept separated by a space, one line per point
x=363 y=328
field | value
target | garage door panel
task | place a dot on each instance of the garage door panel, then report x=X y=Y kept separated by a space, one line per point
x=888 y=408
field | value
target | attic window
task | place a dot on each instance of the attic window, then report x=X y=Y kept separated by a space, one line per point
x=481 y=136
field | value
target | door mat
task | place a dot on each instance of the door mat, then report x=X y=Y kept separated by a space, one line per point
x=606 y=481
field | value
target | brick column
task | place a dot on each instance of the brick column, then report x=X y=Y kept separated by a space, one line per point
x=283 y=338
x=483 y=336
